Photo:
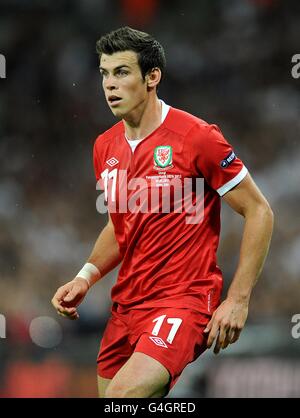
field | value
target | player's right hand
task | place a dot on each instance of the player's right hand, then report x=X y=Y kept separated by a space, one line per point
x=69 y=296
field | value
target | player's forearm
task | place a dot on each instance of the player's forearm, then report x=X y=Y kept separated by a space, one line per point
x=254 y=249
x=105 y=255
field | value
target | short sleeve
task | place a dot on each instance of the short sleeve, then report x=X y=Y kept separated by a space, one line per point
x=217 y=161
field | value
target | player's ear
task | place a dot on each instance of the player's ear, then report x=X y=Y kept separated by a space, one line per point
x=153 y=77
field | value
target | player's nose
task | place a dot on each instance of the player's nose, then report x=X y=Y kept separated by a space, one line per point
x=110 y=83
x=111 y=87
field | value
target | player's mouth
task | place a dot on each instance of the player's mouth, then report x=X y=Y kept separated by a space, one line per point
x=114 y=100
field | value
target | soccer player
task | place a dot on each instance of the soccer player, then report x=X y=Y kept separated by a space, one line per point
x=166 y=306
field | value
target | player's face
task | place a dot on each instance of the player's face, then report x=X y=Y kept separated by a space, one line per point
x=124 y=88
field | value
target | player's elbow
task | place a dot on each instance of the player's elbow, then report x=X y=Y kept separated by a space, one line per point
x=266 y=209
x=264 y=213
x=258 y=208
x=269 y=214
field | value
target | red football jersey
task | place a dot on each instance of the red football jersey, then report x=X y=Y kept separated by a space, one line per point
x=168 y=245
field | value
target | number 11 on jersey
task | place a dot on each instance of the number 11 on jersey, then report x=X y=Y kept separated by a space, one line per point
x=106 y=175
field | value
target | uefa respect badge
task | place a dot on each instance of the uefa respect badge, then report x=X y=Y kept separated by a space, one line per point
x=163 y=157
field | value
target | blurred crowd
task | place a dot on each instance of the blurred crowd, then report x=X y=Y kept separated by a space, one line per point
x=228 y=62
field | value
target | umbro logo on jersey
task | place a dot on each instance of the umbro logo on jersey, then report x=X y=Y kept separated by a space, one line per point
x=158 y=341
x=112 y=161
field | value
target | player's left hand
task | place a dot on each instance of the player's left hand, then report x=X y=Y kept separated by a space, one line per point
x=226 y=324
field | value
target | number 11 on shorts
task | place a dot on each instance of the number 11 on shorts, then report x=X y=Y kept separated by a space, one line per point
x=176 y=322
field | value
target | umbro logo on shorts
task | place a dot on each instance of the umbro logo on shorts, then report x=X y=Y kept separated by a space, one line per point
x=158 y=341
x=112 y=161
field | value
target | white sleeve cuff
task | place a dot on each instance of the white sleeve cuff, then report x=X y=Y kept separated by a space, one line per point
x=231 y=183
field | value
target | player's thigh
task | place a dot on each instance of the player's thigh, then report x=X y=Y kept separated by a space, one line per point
x=102 y=386
x=172 y=336
x=141 y=377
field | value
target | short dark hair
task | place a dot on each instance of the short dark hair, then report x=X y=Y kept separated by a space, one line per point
x=150 y=52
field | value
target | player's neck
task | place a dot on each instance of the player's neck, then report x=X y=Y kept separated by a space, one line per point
x=144 y=120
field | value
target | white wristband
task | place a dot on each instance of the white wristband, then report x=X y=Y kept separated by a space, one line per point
x=90 y=273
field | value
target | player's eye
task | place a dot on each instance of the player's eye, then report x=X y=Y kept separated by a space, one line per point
x=121 y=72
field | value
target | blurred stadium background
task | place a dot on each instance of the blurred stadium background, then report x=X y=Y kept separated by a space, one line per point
x=229 y=62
